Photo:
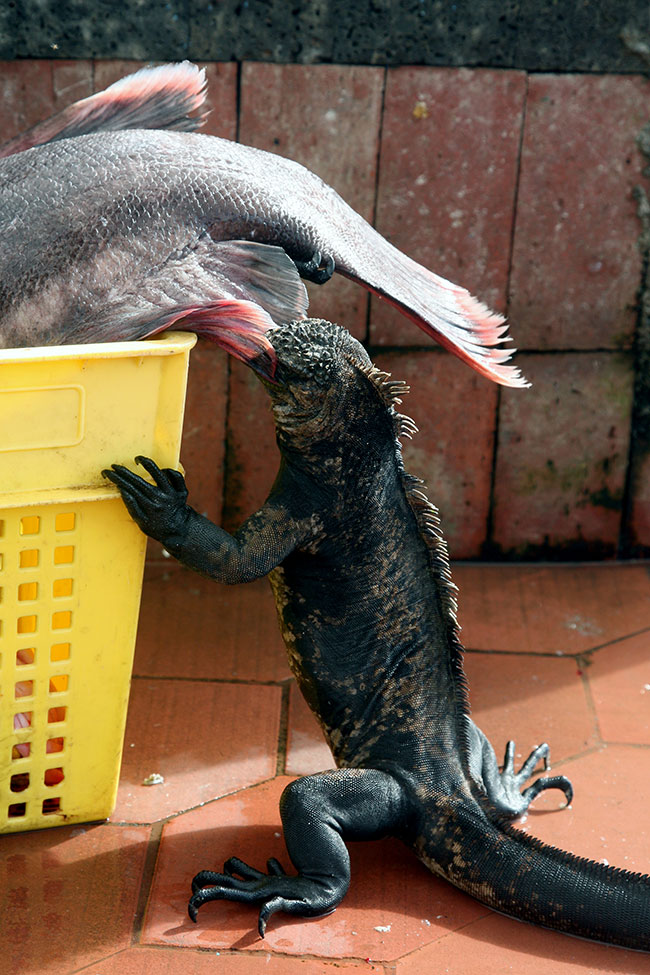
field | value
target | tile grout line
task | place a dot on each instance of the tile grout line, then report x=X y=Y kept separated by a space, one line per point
x=148 y=870
x=252 y=682
x=375 y=202
x=283 y=731
x=559 y=655
x=100 y=961
x=584 y=662
x=488 y=541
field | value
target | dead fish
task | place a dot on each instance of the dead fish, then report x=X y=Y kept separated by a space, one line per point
x=111 y=233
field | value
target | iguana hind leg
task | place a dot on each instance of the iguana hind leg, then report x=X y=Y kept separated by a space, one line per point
x=504 y=786
x=319 y=812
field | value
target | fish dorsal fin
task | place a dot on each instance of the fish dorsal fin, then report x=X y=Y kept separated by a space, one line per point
x=165 y=97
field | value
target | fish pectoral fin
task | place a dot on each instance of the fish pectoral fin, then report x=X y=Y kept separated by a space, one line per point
x=238 y=326
x=262 y=272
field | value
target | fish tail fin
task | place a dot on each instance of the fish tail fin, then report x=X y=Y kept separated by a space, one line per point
x=164 y=97
x=447 y=312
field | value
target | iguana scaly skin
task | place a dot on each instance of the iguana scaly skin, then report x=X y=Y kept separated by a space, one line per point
x=367 y=608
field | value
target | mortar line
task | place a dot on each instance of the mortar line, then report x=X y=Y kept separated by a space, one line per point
x=148 y=870
x=375 y=201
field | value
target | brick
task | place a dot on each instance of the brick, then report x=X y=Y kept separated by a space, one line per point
x=576 y=268
x=454 y=448
x=252 y=455
x=31 y=91
x=326 y=117
x=562 y=454
x=204 y=428
x=447 y=177
x=640 y=513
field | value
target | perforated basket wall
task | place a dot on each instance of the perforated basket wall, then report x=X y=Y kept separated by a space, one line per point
x=71 y=563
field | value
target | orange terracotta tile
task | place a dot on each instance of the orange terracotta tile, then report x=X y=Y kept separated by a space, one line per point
x=619 y=677
x=140 y=960
x=333 y=129
x=453 y=458
x=608 y=817
x=389 y=889
x=205 y=739
x=530 y=700
x=498 y=944
x=193 y=627
x=307 y=750
x=555 y=609
x=68 y=896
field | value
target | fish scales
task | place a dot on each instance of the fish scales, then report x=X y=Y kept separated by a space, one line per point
x=118 y=233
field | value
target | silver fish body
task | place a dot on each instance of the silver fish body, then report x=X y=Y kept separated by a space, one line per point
x=117 y=235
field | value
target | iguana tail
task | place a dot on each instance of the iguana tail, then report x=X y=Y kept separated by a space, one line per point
x=519 y=875
x=165 y=97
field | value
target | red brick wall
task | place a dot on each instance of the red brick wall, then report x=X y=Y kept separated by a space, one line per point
x=517 y=186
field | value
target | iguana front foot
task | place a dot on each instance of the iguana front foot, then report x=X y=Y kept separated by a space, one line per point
x=504 y=785
x=277 y=891
x=318 y=269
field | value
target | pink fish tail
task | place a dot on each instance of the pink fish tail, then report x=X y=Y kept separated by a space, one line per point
x=447 y=312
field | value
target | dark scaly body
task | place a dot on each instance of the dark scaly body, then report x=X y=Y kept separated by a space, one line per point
x=367 y=609
x=115 y=235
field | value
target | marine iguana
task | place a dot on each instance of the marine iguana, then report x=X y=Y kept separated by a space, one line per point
x=362 y=585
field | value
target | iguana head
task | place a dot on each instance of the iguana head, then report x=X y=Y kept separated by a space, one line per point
x=326 y=395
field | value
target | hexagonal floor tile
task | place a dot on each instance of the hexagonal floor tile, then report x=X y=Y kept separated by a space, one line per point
x=68 y=895
x=619 y=677
x=555 y=609
x=307 y=750
x=608 y=818
x=205 y=739
x=530 y=699
x=498 y=944
x=193 y=627
x=393 y=906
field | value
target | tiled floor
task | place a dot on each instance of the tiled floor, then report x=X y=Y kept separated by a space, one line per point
x=557 y=653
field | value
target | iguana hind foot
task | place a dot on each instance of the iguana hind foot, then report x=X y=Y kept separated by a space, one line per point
x=504 y=786
x=275 y=890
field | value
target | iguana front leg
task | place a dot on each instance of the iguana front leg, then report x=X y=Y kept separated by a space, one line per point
x=161 y=511
x=504 y=786
x=319 y=812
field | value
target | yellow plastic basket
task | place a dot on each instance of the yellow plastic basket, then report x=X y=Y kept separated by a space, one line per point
x=71 y=563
